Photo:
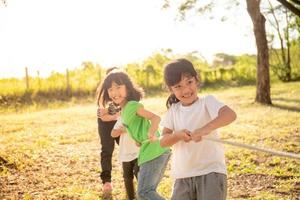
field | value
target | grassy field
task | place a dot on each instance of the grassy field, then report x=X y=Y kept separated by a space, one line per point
x=54 y=153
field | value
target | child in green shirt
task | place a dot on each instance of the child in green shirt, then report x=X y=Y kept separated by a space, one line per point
x=142 y=126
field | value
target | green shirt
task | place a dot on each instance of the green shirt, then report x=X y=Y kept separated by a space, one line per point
x=138 y=127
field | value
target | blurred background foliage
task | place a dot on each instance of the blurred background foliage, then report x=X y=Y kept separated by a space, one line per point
x=82 y=82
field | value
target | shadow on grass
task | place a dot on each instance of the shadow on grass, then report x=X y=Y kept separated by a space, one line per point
x=287 y=100
x=285 y=107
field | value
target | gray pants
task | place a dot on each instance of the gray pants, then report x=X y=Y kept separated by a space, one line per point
x=211 y=186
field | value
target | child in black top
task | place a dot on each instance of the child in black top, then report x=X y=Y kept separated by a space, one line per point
x=106 y=122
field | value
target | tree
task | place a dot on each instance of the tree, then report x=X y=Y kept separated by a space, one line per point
x=293 y=6
x=253 y=8
x=262 y=74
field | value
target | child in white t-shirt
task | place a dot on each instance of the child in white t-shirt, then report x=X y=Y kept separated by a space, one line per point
x=198 y=165
x=128 y=154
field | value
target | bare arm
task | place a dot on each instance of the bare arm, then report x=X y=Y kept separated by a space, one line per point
x=108 y=117
x=169 y=138
x=225 y=116
x=155 y=119
x=117 y=132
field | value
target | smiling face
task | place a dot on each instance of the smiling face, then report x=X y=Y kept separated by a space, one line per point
x=117 y=93
x=186 y=90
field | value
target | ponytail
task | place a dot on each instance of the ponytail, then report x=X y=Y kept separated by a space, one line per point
x=171 y=99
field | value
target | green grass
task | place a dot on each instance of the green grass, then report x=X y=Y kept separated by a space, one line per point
x=53 y=153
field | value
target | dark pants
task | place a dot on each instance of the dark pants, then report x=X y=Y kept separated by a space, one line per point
x=107 y=148
x=130 y=169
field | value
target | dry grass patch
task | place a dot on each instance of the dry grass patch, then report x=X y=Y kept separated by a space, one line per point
x=54 y=153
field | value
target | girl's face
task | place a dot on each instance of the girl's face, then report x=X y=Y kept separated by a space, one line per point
x=186 y=90
x=117 y=93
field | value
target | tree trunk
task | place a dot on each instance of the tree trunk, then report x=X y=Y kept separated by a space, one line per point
x=263 y=76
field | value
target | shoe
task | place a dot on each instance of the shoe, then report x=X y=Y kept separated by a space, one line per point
x=107 y=187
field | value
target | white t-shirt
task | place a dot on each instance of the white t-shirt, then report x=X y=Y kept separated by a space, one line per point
x=195 y=158
x=128 y=150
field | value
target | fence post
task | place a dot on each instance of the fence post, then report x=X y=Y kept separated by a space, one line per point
x=39 y=80
x=68 y=89
x=26 y=78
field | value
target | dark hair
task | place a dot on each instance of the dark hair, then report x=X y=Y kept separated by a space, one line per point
x=134 y=93
x=111 y=69
x=173 y=73
x=100 y=85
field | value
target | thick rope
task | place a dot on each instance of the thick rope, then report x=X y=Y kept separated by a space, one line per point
x=252 y=147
